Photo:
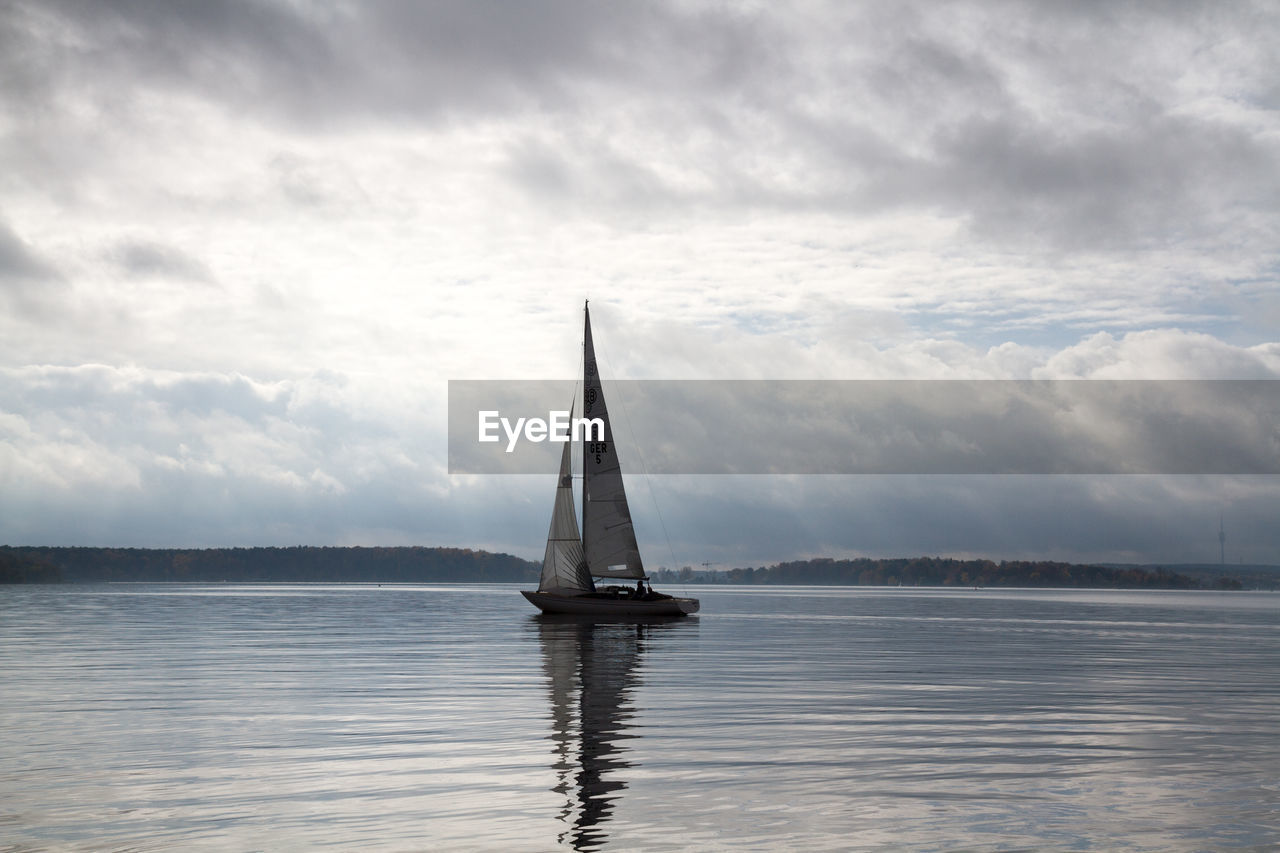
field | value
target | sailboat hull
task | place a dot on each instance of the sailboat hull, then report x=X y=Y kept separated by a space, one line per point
x=587 y=605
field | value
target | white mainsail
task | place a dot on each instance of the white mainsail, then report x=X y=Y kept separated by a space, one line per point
x=608 y=537
x=563 y=568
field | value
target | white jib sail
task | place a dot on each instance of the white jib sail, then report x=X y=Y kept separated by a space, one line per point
x=563 y=567
x=608 y=537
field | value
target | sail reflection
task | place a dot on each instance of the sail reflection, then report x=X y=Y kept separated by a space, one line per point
x=592 y=671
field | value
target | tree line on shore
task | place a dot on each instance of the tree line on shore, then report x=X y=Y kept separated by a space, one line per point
x=309 y=564
x=946 y=571
x=300 y=564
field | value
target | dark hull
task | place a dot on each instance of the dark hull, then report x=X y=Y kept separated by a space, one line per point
x=586 y=605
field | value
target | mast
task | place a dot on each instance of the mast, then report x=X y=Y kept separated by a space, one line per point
x=586 y=336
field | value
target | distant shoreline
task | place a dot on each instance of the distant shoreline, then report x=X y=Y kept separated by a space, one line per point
x=314 y=564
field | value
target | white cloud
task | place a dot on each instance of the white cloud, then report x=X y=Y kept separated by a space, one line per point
x=1161 y=354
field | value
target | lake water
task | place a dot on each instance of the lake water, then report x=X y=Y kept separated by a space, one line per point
x=225 y=717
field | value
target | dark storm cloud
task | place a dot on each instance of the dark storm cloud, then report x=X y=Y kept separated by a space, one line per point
x=1014 y=137
x=326 y=62
x=19 y=262
x=1145 y=184
x=112 y=50
x=1057 y=124
x=148 y=259
x=28 y=282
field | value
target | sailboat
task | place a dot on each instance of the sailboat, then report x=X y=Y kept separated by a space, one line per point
x=607 y=547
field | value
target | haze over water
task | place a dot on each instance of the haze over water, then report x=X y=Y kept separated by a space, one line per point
x=451 y=717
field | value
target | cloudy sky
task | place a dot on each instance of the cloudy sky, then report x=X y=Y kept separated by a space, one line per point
x=245 y=245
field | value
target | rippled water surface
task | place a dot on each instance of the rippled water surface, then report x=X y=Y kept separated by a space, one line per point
x=450 y=717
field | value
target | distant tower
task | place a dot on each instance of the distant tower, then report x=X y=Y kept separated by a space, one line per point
x=1222 y=540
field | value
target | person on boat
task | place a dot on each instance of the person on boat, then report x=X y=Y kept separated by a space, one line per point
x=640 y=588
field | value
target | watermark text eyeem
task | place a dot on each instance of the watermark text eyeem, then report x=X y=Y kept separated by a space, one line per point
x=792 y=426
x=557 y=427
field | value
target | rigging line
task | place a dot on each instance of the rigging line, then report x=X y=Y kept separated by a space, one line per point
x=573 y=406
x=643 y=469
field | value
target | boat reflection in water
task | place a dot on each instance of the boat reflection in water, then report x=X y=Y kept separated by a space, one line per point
x=592 y=671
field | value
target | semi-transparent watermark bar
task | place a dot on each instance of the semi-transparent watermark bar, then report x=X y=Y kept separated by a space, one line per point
x=878 y=426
